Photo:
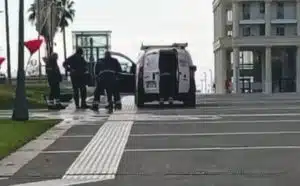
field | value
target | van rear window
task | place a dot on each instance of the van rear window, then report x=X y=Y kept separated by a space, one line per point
x=151 y=61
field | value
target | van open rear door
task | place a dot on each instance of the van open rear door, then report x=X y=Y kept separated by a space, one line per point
x=183 y=72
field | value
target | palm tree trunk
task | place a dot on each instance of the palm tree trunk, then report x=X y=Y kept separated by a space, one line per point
x=65 y=50
x=20 y=111
x=7 y=42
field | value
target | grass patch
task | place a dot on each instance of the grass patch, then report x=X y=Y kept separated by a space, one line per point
x=15 y=134
x=34 y=95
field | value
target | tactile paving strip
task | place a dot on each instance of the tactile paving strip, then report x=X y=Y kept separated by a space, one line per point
x=101 y=157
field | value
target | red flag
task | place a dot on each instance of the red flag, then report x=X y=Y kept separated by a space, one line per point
x=2 y=59
x=33 y=45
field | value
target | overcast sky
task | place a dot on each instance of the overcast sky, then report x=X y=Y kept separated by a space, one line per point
x=131 y=22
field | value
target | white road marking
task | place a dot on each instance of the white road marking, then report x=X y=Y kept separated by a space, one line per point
x=201 y=122
x=215 y=149
x=58 y=182
x=61 y=152
x=259 y=115
x=250 y=102
x=77 y=136
x=152 y=117
x=235 y=108
x=253 y=121
x=218 y=134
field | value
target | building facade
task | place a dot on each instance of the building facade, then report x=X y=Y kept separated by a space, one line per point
x=257 y=45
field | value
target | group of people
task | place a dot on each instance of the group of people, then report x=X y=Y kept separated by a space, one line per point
x=106 y=71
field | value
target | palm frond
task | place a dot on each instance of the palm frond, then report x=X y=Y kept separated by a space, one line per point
x=32 y=13
x=71 y=4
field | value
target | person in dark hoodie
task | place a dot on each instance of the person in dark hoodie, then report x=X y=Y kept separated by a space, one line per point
x=77 y=66
x=54 y=78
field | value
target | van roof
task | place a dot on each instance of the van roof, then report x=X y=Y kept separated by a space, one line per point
x=157 y=50
x=174 y=45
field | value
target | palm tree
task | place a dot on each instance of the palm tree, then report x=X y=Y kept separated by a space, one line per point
x=45 y=22
x=67 y=14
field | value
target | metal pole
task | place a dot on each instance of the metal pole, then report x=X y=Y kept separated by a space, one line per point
x=7 y=42
x=201 y=81
x=211 y=79
x=205 y=82
x=20 y=111
x=39 y=52
x=51 y=36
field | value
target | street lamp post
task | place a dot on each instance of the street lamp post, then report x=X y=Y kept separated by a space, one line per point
x=20 y=111
x=211 y=79
x=205 y=82
x=7 y=42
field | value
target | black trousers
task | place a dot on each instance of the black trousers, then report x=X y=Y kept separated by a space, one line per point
x=54 y=89
x=167 y=86
x=99 y=90
x=79 y=85
x=109 y=82
x=117 y=97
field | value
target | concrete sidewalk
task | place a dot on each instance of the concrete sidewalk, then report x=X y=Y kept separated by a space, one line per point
x=224 y=145
x=50 y=157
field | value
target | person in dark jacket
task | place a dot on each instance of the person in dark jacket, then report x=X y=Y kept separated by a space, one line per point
x=77 y=66
x=54 y=78
x=107 y=71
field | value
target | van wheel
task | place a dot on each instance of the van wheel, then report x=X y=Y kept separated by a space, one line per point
x=190 y=100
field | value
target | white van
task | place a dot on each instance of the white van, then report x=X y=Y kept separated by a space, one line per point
x=148 y=74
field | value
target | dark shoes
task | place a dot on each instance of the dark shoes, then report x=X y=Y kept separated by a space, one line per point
x=110 y=108
x=83 y=106
x=95 y=107
x=117 y=107
x=56 y=107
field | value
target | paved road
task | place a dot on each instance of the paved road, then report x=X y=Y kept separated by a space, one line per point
x=228 y=141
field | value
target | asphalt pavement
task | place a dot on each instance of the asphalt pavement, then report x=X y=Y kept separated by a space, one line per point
x=225 y=141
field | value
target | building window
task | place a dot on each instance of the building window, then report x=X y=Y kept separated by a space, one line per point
x=246 y=31
x=280 y=10
x=280 y=30
x=229 y=15
x=262 y=7
x=246 y=60
x=246 y=11
x=229 y=33
x=262 y=30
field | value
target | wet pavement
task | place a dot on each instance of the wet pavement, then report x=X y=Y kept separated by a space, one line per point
x=229 y=141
